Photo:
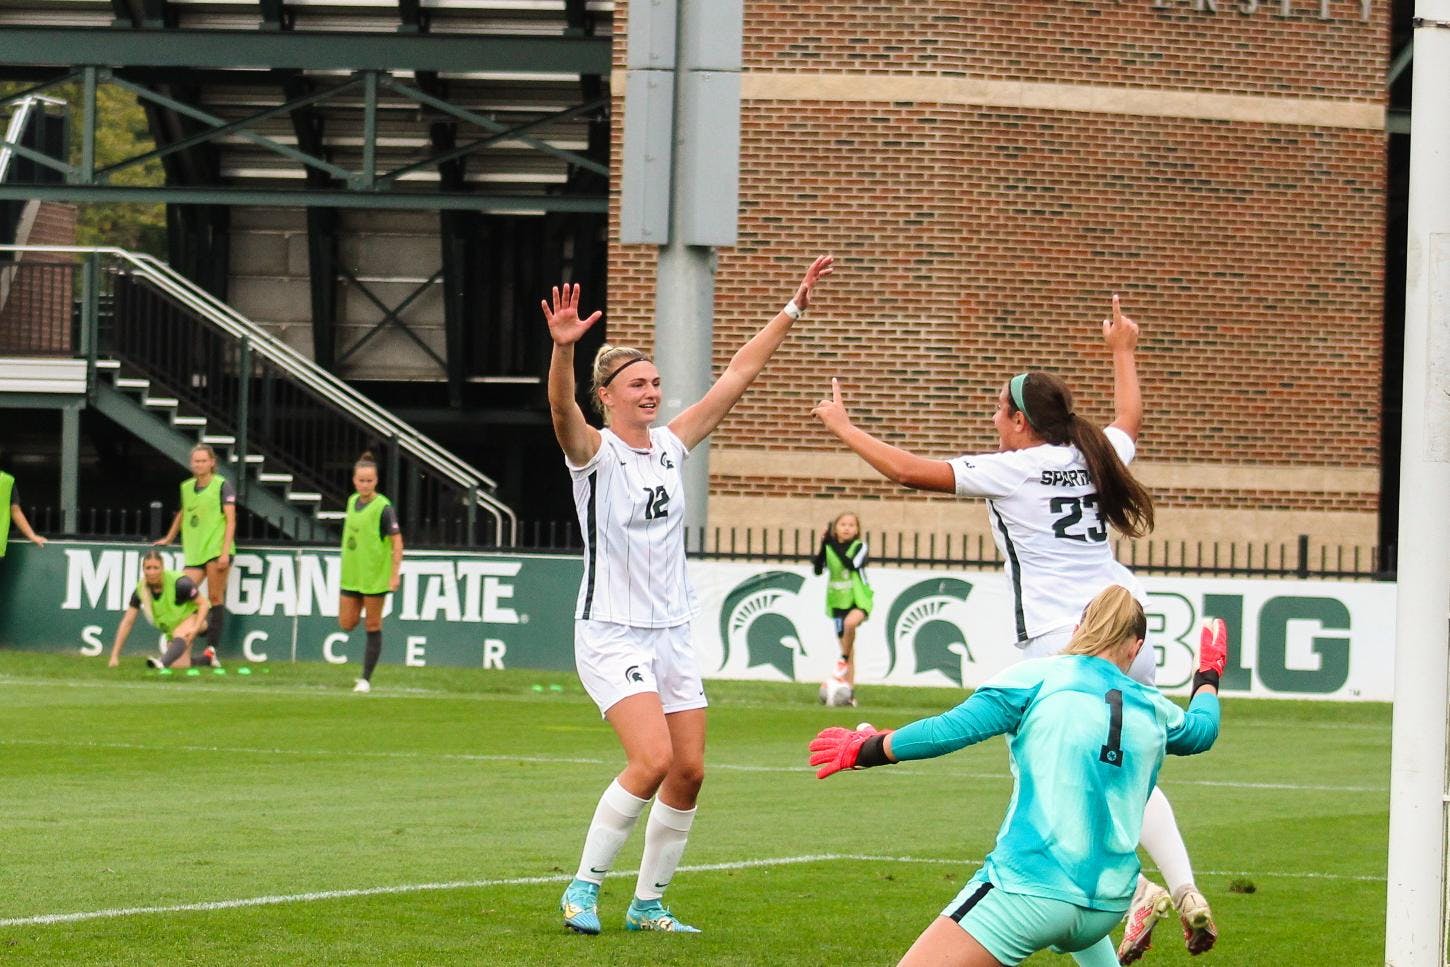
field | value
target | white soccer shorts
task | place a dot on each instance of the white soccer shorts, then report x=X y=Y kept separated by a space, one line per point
x=615 y=661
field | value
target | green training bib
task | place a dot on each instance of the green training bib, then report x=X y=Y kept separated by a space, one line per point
x=203 y=523
x=367 y=556
x=163 y=611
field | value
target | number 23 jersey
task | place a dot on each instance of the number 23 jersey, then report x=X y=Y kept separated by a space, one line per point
x=1044 y=515
x=631 y=506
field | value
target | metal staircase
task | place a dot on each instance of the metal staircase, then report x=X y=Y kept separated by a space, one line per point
x=176 y=366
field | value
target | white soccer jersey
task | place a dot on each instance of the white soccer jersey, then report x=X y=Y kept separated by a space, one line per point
x=631 y=506
x=1044 y=515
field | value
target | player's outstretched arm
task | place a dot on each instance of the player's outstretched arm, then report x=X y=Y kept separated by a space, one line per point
x=122 y=633
x=171 y=532
x=576 y=437
x=699 y=420
x=1121 y=335
x=1199 y=728
x=22 y=524
x=893 y=463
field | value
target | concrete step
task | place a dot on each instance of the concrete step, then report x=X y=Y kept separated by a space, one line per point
x=109 y=365
x=130 y=382
x=218 y=439
x=274 y=478
x=161 y=402
x=192 y=421
x=331 y=515
x=304 y=497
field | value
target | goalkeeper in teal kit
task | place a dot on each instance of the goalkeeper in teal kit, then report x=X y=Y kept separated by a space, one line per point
x=1086 y=743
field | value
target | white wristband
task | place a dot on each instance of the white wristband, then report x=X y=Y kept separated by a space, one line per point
x=793 y=310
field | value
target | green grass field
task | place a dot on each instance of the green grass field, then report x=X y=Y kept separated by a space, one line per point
x=436 y=820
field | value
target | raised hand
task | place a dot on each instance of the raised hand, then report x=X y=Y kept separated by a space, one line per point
x=820 y=268
x=832 y=412
x=1212 y=654
x=1120 y=332
x=565 y=326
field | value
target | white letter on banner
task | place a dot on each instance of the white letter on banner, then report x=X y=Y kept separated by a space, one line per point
x=480 y=604
x=280 y=593
x=91 y=635
x=416 y=658
x=336 y=638
x=313 y=586
x=93 y=578
x=245 y=594
x=493 y=653
x=440 y=593
x=254 y=637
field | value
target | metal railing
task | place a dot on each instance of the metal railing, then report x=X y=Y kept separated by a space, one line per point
x=1300 y=559
x=270 y=398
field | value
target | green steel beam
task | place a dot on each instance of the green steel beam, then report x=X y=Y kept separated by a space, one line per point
x=489 y=124
x=312 y=50
x=299 y=197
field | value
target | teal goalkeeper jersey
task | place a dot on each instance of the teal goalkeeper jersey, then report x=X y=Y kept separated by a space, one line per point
x=1086 y=742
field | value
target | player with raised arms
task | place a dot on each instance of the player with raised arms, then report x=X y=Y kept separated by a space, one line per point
x=207 y=522
x=1053 y=489
x=372 y=556
x=1086 y=743
x=632 y=643
x=172 y=602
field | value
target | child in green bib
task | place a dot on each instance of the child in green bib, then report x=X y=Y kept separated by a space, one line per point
x=372 y=553
x=207 y=522
x=849 y=597
x=171 y=601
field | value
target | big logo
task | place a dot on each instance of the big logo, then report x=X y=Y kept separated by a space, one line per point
x=751 y=619
x=928 y=618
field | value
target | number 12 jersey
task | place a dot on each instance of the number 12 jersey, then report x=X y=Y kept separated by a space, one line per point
x=631 y=506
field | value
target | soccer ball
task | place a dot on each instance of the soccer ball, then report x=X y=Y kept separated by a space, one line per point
x=836 y=693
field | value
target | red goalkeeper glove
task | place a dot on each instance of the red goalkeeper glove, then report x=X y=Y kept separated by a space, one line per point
x=836 y=748
x=1212 y=653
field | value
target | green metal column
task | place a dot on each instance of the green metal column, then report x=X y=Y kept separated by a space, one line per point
x=70 y=462
x=244 y=416
x=90 y=317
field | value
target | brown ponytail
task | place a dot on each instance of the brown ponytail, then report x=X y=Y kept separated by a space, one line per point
x=1122 y=501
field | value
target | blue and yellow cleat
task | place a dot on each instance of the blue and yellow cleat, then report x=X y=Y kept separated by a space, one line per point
x=580 y=904
x=652 y=915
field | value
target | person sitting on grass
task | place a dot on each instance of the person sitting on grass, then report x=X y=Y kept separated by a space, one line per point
x=171 y=602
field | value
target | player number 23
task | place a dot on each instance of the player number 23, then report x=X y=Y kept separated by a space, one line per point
x=1075 y=506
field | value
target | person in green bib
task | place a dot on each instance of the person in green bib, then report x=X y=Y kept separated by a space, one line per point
x=372 y=553
x=10 y=498
x=207 y=521
x=171 y=601
x=849 y=597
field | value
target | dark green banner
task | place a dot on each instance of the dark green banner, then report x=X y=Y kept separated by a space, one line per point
x=474 y=610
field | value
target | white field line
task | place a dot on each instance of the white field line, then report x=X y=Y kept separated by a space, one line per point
x=594 y=761
x=404 y=888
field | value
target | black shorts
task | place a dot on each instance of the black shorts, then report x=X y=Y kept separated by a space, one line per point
x=202 y=565
x=358 y=595
x=838 y=615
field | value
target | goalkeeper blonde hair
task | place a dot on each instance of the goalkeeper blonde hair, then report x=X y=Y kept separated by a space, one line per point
x=1111 y=621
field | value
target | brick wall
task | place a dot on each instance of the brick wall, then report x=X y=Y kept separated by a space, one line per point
x=977 y=238
x=36 y=297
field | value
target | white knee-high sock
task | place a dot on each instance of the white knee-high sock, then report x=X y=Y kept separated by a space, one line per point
x=1164 y=842
x=664 y=843
x=614 y=819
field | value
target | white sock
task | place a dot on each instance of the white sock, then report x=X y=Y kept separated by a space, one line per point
x=614 y=819
x=664 y=844
x=1164 y=842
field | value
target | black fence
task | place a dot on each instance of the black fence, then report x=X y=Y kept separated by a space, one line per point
x=1301 y=558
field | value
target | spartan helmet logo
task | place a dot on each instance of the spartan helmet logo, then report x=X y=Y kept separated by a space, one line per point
x=666 y=462
x=750 y=618
x=195 y=520
x=929 y=617
x=633 y=674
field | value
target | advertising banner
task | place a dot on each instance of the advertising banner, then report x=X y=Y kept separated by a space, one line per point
x=1290 y=639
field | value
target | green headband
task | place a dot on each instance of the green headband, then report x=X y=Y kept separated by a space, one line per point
x=1015 y=387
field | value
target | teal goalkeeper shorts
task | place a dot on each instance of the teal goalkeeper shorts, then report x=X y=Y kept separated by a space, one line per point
x=1014 y=926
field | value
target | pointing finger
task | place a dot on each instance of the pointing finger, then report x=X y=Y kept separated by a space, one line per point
x=1117 y=310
